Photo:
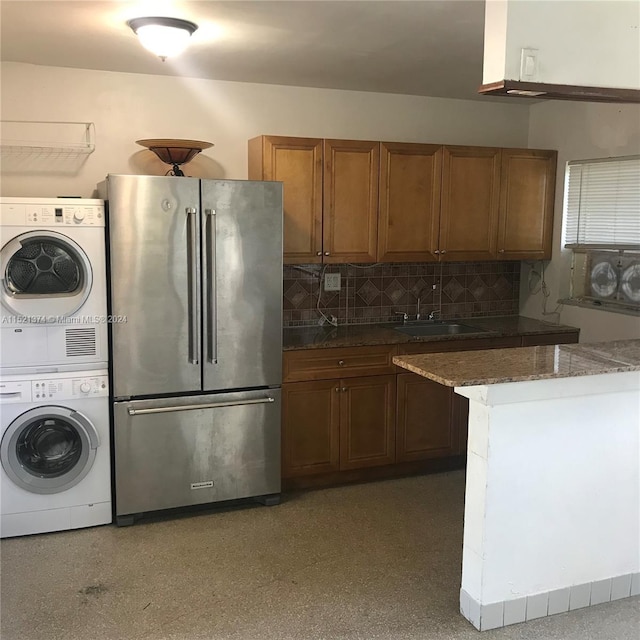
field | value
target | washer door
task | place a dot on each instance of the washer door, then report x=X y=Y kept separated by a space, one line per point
x=49 y=449
x=44 y=273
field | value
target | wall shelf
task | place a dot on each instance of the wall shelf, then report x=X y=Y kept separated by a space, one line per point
x=21 y=138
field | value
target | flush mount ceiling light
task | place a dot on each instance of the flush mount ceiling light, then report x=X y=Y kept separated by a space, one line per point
x=165 y=37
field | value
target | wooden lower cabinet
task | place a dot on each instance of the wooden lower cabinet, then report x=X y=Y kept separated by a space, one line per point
x=367 y=422
x=310 y=427
x=425 y=416
x=340 y=426
x=337 y=425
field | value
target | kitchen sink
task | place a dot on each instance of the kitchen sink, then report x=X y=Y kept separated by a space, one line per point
x=436 y=329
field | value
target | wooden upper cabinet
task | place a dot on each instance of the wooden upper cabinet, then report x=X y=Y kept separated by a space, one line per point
x=361 y=201
x=297 y=163
x=409 y=211
x=470 y=199
x=526 y=204
x=350 y=221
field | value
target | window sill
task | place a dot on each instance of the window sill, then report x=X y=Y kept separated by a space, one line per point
x=602 y=305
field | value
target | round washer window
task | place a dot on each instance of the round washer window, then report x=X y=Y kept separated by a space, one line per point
x=44 y=274
x=48 y=449
x=44 y=266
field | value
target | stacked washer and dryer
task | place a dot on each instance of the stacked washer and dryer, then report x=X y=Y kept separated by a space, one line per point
x=54 y=398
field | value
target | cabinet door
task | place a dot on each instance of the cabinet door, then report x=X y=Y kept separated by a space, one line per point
x=350 y=221
x=297 y=163
x=409 y=213
x=470 y=199
x=310 y=427
x=425 y=426
x=367 y=422
x=526 y=204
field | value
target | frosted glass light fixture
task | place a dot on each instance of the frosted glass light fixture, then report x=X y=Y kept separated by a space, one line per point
x=165 y=37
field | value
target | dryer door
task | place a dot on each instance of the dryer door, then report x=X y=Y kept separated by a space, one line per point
x=45 y=275
x=49 y=449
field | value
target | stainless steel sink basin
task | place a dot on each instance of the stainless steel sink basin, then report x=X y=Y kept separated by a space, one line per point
x=436 y=329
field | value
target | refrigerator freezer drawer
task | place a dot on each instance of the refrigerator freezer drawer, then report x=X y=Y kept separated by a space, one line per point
x=176 y=452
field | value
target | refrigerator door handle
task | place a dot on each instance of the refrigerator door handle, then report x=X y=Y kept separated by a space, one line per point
x=212 y=328
x=194 y=346
x=191 y=407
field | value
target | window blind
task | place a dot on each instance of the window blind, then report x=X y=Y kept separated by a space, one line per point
x=602 y=202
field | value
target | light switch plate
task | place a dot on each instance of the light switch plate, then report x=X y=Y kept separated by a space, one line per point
x=528 y=65
x=332 y=282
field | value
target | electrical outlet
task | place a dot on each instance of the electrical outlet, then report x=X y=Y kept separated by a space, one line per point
x=332 y=282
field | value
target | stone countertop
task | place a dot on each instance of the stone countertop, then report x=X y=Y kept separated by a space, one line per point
x=374 y=334
x=496 y=366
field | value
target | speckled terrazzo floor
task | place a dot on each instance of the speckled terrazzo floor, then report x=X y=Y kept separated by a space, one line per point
x=365 y=562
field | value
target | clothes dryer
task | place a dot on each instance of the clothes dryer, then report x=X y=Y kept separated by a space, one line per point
x=53 y=300
x=55 y=452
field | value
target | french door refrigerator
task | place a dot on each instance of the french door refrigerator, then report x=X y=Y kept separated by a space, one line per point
x=196 y=338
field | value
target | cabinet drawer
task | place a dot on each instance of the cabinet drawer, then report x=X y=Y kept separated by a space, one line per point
x=323 y=364
x=472 y=344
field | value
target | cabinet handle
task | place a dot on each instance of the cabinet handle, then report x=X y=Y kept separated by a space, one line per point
x=344 y=389
x=501 y=251
x=436 y=252
x=318 y=253
x=341 y=362
x=337 y=389
x=443 y=251
x=326 y=253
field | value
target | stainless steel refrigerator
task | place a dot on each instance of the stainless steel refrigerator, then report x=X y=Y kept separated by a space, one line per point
x=196 y=340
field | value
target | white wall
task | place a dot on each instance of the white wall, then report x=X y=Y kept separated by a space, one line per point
x=579 y=130
x=128 y=107
x=578 y=42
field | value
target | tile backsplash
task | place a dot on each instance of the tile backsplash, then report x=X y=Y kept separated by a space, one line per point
x=375 y=293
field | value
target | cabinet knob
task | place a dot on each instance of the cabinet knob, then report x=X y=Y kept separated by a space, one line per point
x=326 y=253
x=337 y=389
x=501 y=251
x=344 y=389
x=443 y=251
x=436 y=252
x=341 y=362
x=318 y=253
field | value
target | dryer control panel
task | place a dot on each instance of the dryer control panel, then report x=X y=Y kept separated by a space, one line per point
x=85 y=213
x=70 y=388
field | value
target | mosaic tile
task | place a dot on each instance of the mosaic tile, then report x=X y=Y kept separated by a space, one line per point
x=394 y=290
x=374 y=293
x=368 y=292
x=453 y=289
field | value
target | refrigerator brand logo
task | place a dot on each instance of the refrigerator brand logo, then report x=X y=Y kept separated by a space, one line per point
x=202 y=485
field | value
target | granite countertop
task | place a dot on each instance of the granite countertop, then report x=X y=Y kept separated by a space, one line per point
x=373 y=334
x=468 y=368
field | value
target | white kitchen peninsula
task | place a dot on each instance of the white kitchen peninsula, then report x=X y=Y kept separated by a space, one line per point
x=552 y=505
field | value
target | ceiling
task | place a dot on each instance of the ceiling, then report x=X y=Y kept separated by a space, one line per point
x=425 y=48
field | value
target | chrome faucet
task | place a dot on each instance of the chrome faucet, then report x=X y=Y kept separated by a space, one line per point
x=432 y=315
x=405 y=316
x=418 y=310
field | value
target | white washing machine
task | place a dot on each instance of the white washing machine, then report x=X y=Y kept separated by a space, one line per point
x=53 y=289
x=55 y=452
